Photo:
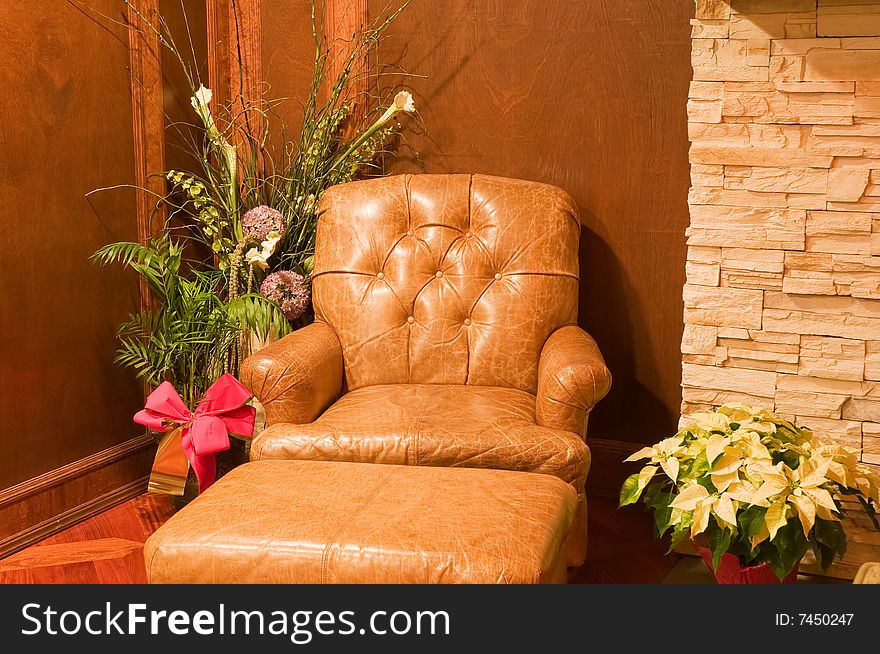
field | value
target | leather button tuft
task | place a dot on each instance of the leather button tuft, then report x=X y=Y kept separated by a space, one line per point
x=380 y=275
x=438 y=274
x=469 y=235
x=497 y=276
x=467 y=321
x=410 y=320
x=410 y=233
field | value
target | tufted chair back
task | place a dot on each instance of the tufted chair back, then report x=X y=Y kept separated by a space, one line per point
x=445 y=279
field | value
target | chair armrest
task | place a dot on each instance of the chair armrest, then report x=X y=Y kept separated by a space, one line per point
x=572 y=378
x=297 y=377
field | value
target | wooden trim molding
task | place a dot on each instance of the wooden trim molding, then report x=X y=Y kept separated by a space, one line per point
x=42 y=506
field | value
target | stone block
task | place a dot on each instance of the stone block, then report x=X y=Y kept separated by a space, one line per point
x=808 y=282
x=872 y=360
x=759 y=364
x=787 y=180
x=739 y=380
x=712 y=398
x=712 y=9
x=805 y=201
x=771 y=6
x=821 y=324
x=768 y=345
x=802 y=46
x=701 y=254
x=756 y=156
x=842 y=65
x=730 y=59
x=751 y=279
x=706 y=305
x=704 y=111
x=709 y=29
x=840 y=307
x=733 y=332
x=870 y=443
x=762 y=26
x=762 y=355
x=835 y=358
x=864 y=204
x=867 y=88
x=853 y=145
x=857 y=19
x=742 y=135
x=707 y=175
x=702 y=274
x=707 y=90
x=816 y=87
x=857 y=276
x=858 y=408
x=767 y=228
x=771 y=261
x=809 y=404
x=865 y=106
x=823 y=385
x=699 y=339
x=786 y=68
x=760 y=336
x=846 y=184
x=845 y=432
x=838 y=232
x=773 y=106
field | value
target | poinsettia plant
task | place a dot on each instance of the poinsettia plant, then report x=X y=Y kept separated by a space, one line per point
x=745 y=481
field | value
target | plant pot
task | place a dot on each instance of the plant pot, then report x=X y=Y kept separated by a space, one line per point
x=731 y=572
x=237 y=454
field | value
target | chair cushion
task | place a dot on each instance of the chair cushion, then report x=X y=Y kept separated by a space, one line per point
x=432 y=425
x=318 y=522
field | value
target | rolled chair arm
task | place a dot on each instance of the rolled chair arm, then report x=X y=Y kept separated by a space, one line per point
x=572 y=378
x=297 y=377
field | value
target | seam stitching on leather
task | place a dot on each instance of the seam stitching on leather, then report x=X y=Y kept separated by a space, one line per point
x=332 y=539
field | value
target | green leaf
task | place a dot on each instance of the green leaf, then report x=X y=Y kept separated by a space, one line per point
x=751 y=520
x=680 y=530
x=630 y=491
x=719 y=542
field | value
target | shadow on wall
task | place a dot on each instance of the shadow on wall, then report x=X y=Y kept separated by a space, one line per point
x=629 y=402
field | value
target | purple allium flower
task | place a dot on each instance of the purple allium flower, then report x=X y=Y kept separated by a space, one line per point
x=259 y=221
x=288 y=290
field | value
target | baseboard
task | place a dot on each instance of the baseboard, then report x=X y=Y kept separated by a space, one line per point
x=608 y=470
x=42 y=506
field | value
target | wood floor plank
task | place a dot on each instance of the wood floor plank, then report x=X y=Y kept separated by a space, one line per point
x=56 y=554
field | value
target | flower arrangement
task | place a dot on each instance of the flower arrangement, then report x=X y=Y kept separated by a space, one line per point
x=246 y=217
x=747 y=482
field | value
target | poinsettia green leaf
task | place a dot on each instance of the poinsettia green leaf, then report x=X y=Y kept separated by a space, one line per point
x=751 y=520
x=679 y=532
x=719 y=541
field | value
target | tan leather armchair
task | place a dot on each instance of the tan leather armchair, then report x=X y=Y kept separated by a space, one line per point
x=445 y=334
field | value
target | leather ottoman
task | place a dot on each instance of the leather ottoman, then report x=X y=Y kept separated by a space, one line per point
x=337 y=522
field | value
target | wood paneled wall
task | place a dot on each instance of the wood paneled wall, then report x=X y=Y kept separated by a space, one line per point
x=66 y=112
x=589 y=96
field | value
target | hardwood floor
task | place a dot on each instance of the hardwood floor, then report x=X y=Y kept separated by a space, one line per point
x=108 y=548
x=104 y=549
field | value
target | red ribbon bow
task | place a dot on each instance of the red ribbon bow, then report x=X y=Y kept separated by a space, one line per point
x=206 y=430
